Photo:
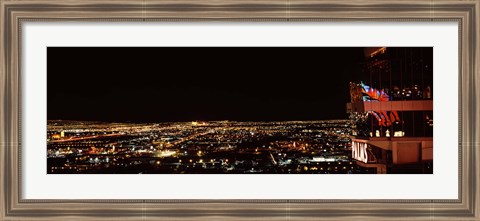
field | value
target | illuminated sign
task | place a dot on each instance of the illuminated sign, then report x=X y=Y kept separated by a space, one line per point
x=359 y=151
x=364 y=93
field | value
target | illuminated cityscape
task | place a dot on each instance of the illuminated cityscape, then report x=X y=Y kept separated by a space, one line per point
x=200 y=147
x=371 y=114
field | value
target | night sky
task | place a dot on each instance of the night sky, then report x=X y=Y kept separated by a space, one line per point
x=165 y=84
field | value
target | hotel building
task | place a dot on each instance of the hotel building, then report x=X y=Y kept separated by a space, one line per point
x=391 y=111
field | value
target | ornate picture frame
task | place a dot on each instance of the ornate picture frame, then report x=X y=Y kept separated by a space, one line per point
x=13 y=13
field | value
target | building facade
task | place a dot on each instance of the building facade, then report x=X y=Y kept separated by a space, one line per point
x=391 y=111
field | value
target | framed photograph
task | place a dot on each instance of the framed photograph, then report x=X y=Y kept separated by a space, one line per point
x=239 y=110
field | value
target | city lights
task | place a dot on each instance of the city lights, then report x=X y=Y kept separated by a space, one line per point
x=213 y=147
x=345 y=110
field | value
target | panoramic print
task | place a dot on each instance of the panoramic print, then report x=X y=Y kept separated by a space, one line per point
x=239 y=110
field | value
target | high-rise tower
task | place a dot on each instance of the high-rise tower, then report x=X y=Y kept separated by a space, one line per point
x=391 y=111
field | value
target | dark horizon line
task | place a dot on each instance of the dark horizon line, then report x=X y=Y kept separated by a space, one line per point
x=185 y=121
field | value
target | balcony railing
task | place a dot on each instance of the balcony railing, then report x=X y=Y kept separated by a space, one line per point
x=405 y=105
